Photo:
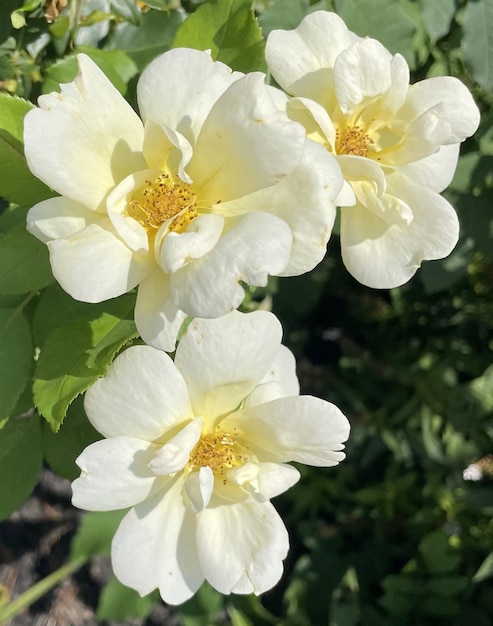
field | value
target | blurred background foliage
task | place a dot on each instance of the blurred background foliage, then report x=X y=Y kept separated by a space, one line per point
x=401 y=532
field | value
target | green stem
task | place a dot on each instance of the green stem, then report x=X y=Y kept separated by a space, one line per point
x=21 y=306
x=39 y=589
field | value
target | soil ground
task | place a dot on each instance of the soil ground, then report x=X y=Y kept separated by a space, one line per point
x=34 y=542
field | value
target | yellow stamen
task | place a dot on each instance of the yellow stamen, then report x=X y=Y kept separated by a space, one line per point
x=220 y=451
x=353 y=140
x=162 y=200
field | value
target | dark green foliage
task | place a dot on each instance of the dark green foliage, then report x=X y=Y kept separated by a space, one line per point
x=395 y=535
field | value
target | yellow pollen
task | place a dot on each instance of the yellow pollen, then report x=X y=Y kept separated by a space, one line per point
x=353 y=140
x=161 y=200
x=219 y=451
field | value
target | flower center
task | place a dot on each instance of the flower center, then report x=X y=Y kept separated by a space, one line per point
x=161 y=200
x=220 y=451
x=353 y=140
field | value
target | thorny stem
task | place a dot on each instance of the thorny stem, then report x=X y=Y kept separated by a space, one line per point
x=39 y=589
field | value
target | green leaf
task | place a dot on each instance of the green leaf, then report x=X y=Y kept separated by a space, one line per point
x=485 y=135
x=75 y=355
x=465 y=172
x=6 y=9
x=17 y=184
x=95 y=534
x=437 y=607
x=286 y=14
x=117 y=66
x=437 y=17
x=25 y=263
x=371 y=18
x=127 y=9
x=229 y=29
x=431 y=439
x=17 y=17
x=476 y=217
x=238 y=618
x=482 y=389
x=437 y=276
x=477 y=41
x=20 y=462
x=202 y=607
x=16 y=357
x=62 y=448
x=446 y=585
x=145 y=42
x=55 y=307
x=485 y=569
x=343 y=614
x=160 y=5
x=18 y=20
x=121 y=603
x=437 y=554
x=13 y=217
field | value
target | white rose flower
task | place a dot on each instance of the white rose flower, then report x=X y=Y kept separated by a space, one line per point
x=197 y=448
x=214 y=187
x=397 y=144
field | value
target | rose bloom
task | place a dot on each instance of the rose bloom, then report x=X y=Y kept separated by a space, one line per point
x=216 y=186
x=198 y=447
x=397 y=144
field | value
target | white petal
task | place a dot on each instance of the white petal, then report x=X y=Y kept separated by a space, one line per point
x=241 y=546
x=299 y=428
x=423 y=136
x=157 y=318
x=280 y=380
x=298 y=59
x=94 y=264
x=129 y=229
x=457 y=106
x=155 y=546
x=265 y=392
x=309 y=194
x=143 y=395
x=436 y=171
x=264 y=480
x=84 y=140
x=255 y=246
x=223 y=359
x=305 y=200
x=114 y=474
x=199 y=487
x=175 y=453
x=167 y=150
x=166 y=98
x=274 y=479
x=158 y=147
x=246 y=143
x=362 y=71
x=346 y=197
x=201 y=236
x=395 y=96
x=384 y=256
x=314 y=117
x=355 y=168
x=435 y=223
x=390 y=208
x=283 y=370
x=57 y=218
x=244 y=474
